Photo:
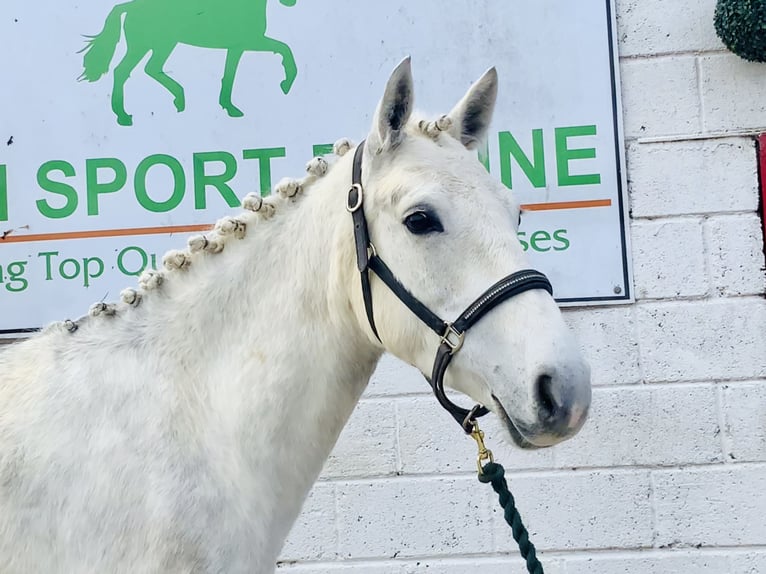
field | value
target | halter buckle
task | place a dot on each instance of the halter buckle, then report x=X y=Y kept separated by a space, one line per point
x=453 y=338
x=359 y=198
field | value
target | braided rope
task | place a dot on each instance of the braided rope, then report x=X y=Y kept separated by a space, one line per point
x=495 y=474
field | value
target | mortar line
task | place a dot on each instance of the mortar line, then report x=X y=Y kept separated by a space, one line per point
x=725 y=443
x=741 y=133
x=544 y=472
x=698 y=72
x=577 y=553
x=397 y=439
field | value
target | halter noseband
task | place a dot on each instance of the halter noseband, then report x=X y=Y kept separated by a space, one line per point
x=452 y=334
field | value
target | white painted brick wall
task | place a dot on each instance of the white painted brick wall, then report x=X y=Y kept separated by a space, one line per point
x=719 y=506
x=735 y=247
x=674 y=105
x=656 y=268
x=650 y=27
x=750 y=563
x=660 y=563
x=572 y=510
x=608 y=338
x=744 y=416
x=648 y=426
x=733 y=92
x=368 y=444
x=692 y=177
x=669 y=474
x=697 y=340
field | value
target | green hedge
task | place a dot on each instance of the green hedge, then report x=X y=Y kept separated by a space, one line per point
x=741 y=25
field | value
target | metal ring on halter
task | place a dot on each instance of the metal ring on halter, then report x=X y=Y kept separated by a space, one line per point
x=469 y=422
x=359 y=198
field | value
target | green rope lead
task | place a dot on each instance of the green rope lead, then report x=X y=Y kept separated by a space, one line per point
x=494 y=473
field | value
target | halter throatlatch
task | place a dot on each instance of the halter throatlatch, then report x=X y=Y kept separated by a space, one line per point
x=453 y=333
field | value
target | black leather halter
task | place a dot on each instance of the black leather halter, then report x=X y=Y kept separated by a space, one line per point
x=452 y=334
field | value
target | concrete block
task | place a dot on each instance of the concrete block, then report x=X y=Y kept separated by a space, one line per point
x=713 y=506
x=314 y=536
x=748 y=563
x=668 y=259
x=289 y=567
x=367 y=445
x=660 y=96
x=404 y=517
x=607 y=336
x=580 y=510
x=679 y=178
x=733 y=93
x=395 y=377
x=744 y=408
x=721 y=339
x=511 y=564
x=735 y=245
x=668 y=562
x=647 y=426
x=647 y=27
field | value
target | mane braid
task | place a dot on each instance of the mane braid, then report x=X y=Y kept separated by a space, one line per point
x=435 y=128
x=225 y=229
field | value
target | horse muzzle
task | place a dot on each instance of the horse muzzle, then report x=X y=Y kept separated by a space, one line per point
x=561 y=406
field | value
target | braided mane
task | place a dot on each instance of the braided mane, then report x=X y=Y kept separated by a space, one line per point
x=256 y=208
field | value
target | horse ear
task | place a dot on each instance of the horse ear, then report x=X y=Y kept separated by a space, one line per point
x=393 y=110
x=473 y=114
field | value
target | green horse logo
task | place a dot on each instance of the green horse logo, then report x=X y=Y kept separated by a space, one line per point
x=157 y=26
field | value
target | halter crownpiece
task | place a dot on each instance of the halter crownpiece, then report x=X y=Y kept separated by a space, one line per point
x=452 y=334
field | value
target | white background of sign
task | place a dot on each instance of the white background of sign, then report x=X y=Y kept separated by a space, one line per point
x=554 y=63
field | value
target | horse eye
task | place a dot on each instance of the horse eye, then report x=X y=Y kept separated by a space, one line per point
x=422 y=222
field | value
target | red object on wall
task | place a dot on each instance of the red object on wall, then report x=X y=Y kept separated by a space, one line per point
x=762 y=181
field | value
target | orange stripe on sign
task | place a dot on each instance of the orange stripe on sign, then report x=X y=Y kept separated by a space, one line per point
x=567 y=205
x=12 y=238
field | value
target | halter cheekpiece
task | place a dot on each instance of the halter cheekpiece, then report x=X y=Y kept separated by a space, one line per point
x=453 y=333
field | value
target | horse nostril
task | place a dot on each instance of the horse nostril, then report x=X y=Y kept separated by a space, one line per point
x=549 y=406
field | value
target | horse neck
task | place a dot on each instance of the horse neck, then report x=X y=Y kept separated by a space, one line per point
x=263 y=336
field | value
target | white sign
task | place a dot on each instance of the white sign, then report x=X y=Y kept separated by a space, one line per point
x=184 y=107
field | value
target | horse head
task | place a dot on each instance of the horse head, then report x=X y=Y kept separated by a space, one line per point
x=448 y=231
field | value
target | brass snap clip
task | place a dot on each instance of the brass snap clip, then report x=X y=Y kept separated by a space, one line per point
x=485 y=455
